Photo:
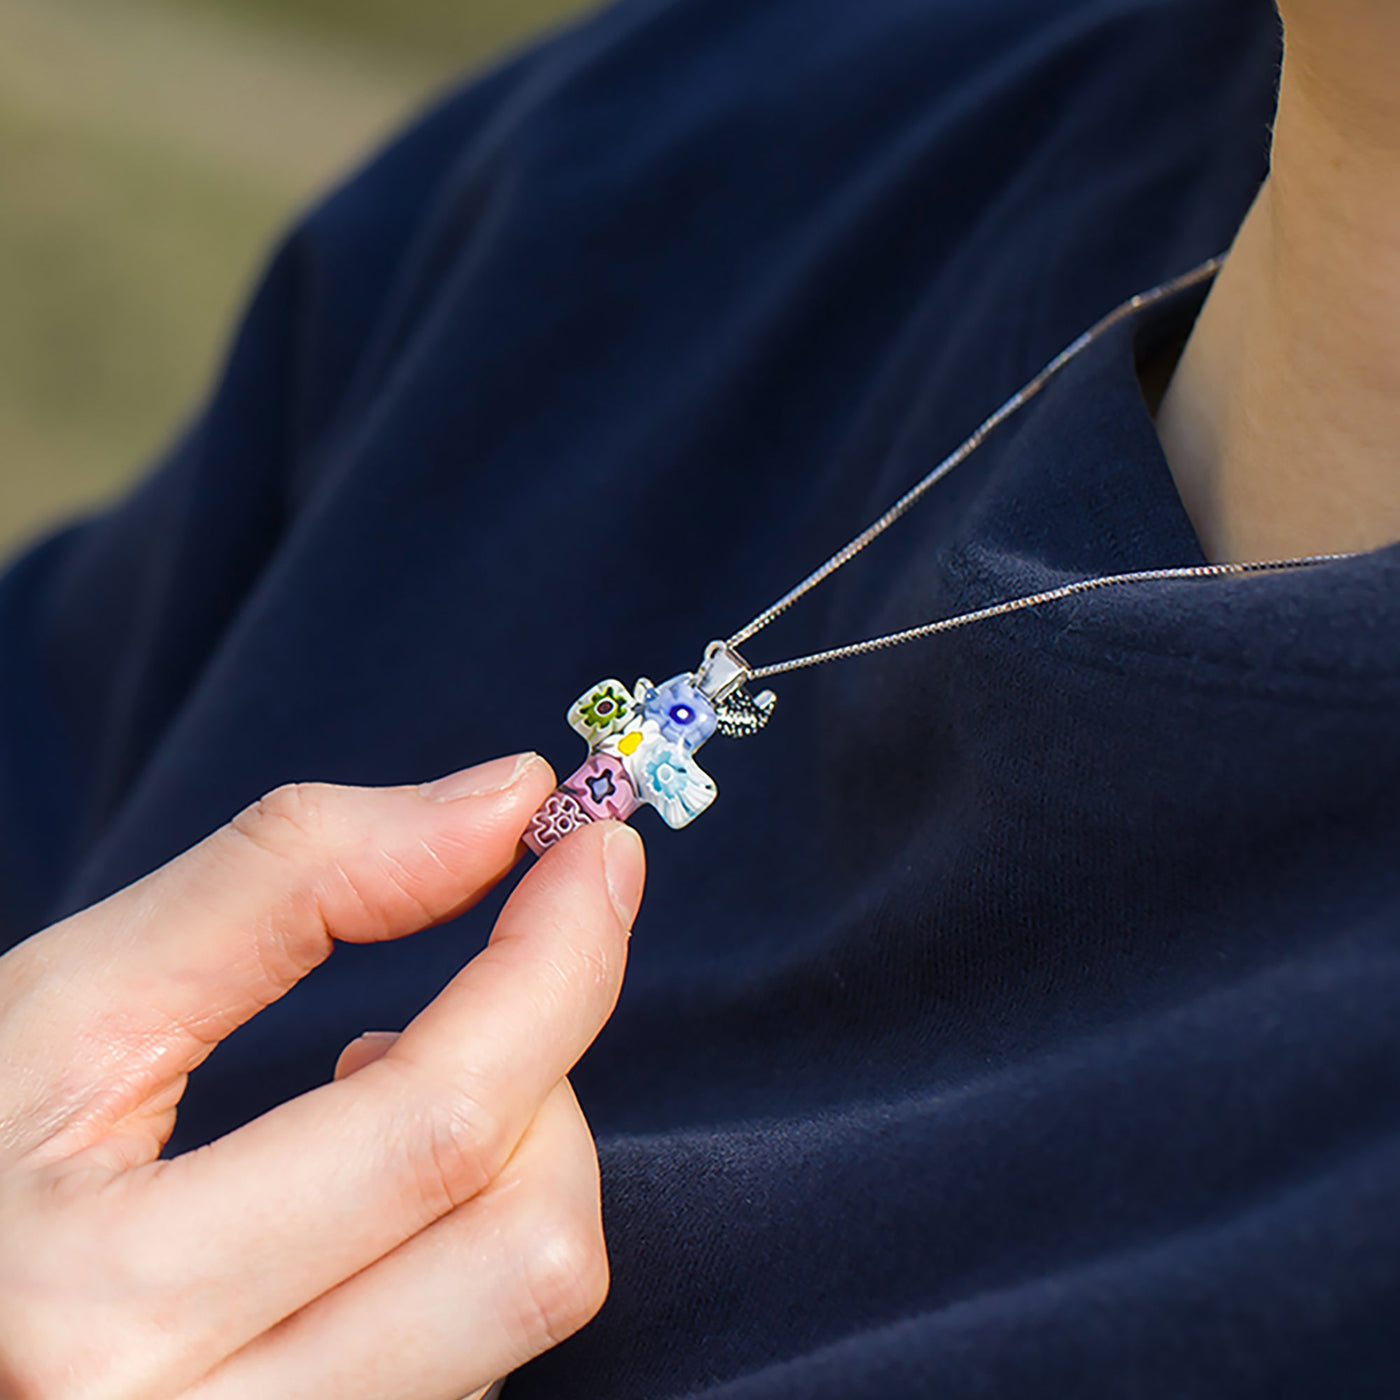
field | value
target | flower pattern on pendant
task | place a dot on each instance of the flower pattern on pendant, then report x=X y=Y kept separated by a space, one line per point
x=640 y=750
x=680 y=712
x=559 y=817
x=602 y=711
x=667 y=778
x=603 y=788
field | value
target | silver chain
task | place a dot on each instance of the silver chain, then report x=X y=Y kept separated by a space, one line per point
x=916 y=493
x=1035 y=600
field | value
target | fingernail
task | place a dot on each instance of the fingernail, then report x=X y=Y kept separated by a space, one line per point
x=625 y=865
x=481 y=781
x=363 y=1051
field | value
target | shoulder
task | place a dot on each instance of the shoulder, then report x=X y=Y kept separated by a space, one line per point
x=661 y=145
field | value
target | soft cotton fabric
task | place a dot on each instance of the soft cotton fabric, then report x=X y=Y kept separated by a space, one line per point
x=1024 y=1019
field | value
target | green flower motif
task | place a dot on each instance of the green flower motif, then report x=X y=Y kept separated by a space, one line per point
x=605 y=708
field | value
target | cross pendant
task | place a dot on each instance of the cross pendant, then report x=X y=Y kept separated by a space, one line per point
x=641 y=746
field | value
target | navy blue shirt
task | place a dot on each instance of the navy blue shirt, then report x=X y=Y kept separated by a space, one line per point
x=1024 y=1019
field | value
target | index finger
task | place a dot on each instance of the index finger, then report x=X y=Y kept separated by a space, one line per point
x=136 y=990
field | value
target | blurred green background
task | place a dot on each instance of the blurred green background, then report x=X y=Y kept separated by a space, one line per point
x=150 y=150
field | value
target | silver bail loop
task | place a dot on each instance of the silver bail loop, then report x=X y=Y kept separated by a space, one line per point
x=721 y=673
x=721 y=680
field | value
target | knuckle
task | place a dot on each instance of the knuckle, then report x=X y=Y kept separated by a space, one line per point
x=455 y=1151
x=565 y=1276
x=287 y=820
x=323 y=840
x=290 y=825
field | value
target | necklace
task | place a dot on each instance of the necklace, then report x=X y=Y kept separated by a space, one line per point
x=642 y=742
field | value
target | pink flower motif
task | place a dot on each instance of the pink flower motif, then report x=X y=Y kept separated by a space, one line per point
x=603 y=789
x=560 y=815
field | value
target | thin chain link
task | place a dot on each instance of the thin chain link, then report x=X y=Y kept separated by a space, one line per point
x=1035 y=600
x=1012 y=406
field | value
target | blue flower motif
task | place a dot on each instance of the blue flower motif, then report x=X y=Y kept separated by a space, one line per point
x=683 y=715
x=667 y=777
x=671 y=782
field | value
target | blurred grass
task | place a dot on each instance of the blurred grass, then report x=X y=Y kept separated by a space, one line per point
x=149 y=152
x=415 y=29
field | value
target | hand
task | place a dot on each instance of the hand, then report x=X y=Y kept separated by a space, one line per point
x=417 y=1228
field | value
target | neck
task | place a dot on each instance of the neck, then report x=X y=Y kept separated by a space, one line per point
x=1282 y=421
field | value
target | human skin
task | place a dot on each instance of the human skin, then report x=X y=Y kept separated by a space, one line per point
x=420 y=1226
x=430 y=1220
x=1282 y=421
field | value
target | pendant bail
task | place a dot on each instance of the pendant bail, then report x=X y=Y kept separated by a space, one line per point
x=721 y=673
